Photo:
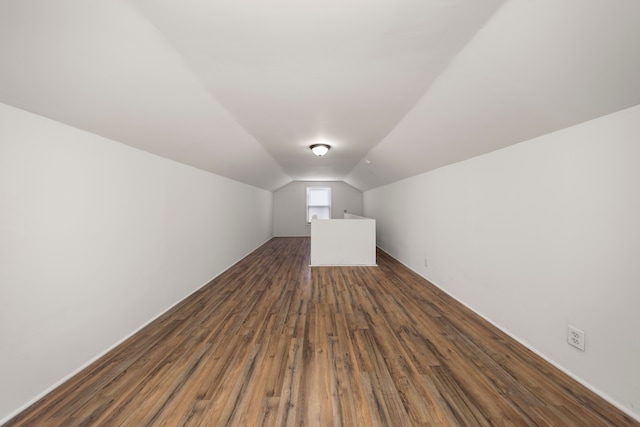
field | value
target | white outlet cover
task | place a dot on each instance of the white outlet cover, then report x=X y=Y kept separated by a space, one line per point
x=575 y=337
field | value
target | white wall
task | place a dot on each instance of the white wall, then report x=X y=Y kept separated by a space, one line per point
x=534 y=237
x=343 y=241
x=97 y=239
x=290 y=205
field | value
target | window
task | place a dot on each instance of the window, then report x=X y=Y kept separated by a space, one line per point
x=318 y=203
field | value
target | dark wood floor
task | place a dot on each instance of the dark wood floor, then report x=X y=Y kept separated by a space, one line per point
x=275 y=342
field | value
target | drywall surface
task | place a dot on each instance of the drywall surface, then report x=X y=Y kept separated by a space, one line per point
x=290 y=205
x=99 y=238
x=352 y=216
x=343 y=242
x=535 y=237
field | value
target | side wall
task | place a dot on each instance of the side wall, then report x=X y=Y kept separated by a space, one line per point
x=290 y=205
x=535 y=237
x=99 y=238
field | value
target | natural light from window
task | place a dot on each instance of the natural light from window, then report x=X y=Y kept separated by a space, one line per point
x=318 y=203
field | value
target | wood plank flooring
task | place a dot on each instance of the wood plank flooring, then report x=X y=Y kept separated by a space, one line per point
x=274 y=342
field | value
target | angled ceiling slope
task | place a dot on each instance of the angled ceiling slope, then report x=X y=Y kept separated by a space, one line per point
x=293 y=72
x=102 y=67
x=535 y=68
x=242 y=88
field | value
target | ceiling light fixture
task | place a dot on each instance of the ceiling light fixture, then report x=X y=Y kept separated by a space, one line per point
x=320 y=149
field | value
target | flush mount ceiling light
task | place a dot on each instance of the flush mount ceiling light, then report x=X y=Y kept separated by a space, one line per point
x=320 y=149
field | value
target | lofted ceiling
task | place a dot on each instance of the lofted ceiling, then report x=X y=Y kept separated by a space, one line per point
x=241 y=88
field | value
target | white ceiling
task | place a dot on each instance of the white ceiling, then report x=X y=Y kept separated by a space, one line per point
x=241 y=88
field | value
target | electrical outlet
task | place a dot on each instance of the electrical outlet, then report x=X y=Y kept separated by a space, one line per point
x=426 y=263
x=575 y=337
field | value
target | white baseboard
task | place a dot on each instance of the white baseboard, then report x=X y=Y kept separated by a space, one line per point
x=94 y=359
x=527 y=345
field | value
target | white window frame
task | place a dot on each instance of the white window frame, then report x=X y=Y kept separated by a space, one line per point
x=316 y=188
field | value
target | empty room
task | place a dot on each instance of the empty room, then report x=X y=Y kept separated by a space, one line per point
x=349 y=213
